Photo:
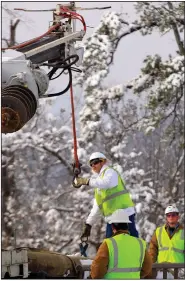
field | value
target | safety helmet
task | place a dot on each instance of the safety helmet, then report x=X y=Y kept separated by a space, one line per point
x=119 y=216
x=97 y=155
x=171 y=209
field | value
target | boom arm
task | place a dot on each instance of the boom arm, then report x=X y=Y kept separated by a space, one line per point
x=24 y=81
x=40 y=263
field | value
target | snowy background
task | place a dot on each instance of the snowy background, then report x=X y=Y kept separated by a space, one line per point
x=129 y=105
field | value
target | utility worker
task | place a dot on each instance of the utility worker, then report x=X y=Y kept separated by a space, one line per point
x=121 y=256
x=167 y=243
x=110 y=194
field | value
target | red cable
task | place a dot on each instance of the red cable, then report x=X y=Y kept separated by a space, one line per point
x=75 y=17
x=74 y=129
x=35 y=39
x=66 y=14
x=71 y=14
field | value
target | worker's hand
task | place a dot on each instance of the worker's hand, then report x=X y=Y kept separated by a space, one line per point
x=86 y=231
x=78 y=182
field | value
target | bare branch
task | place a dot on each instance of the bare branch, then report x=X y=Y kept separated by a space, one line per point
x=180 y=20
x=6 y=41
x=62 y=194
x=66 y=244
x=154 y=200
x=13 y=26
x=62 y=209
x=62 y=160
x=124 y=22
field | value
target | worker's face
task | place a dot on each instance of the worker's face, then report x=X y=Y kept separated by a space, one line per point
x=172 y=219
x=96 y=165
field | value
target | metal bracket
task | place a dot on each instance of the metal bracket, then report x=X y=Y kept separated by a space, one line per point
x=73 y=36
x=76 y=172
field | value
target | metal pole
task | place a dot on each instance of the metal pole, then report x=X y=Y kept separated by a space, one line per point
x=74 y=21
x=15 y=242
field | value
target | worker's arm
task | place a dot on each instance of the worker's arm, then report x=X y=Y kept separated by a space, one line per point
x=146 y=270
x=94 y=214
x=153 y=248
x=109 y=180
x=100 y=263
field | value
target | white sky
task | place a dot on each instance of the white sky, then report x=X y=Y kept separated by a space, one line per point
x=131 y=51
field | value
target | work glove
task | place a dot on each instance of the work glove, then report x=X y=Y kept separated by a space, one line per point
x=86 y=230
x=78 y=182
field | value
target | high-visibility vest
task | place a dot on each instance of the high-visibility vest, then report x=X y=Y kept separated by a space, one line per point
x=170 y=250
x=126 y=255
x=111 y=199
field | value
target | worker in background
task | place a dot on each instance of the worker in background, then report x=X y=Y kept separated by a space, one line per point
x=110 y=194
x=121 y=256
x=167 y=243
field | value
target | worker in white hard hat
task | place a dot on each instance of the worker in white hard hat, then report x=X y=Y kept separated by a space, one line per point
x=110 y=194
x=121 y=256
x=167 y=243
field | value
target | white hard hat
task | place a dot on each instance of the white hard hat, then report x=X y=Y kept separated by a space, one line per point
x=119 y=216
x=171 y=209
x=96 y=155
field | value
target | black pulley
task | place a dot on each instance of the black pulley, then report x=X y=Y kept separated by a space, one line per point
x=18 y=106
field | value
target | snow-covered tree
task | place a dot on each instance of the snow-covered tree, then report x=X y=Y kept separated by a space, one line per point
x=161 y=83
x=143 y=140
x=110 y=123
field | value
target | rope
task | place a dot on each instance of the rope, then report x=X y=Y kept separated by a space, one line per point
x=77 y=166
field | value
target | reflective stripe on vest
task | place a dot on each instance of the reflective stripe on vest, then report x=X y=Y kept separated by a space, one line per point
x=115 y=266
x=159 y=241
x=170 y=250
x=111 y=199
x=177 y=250
x=167 y=248
x=113 y=196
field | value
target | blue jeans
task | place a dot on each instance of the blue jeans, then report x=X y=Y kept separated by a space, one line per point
x=131 y=227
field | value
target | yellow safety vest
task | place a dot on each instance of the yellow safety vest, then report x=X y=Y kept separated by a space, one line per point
x=111 y=199
x=170 y=250
x=126 y=255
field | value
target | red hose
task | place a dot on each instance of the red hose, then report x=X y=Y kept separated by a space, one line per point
x=35 y=39
x=71 y=14
x=66 y=13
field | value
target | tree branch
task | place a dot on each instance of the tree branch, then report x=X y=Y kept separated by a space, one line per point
x=62 y=209
x=152 y=199
x=65 y=245
x=65 y=163
x=172 y=179
x=13 y=27
x=176 y=33
x=139 y=27
x=180 y=20
x=6 y=41
x=62 y=194
x=130 y=31
x=174 y=108
x=133 y=29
